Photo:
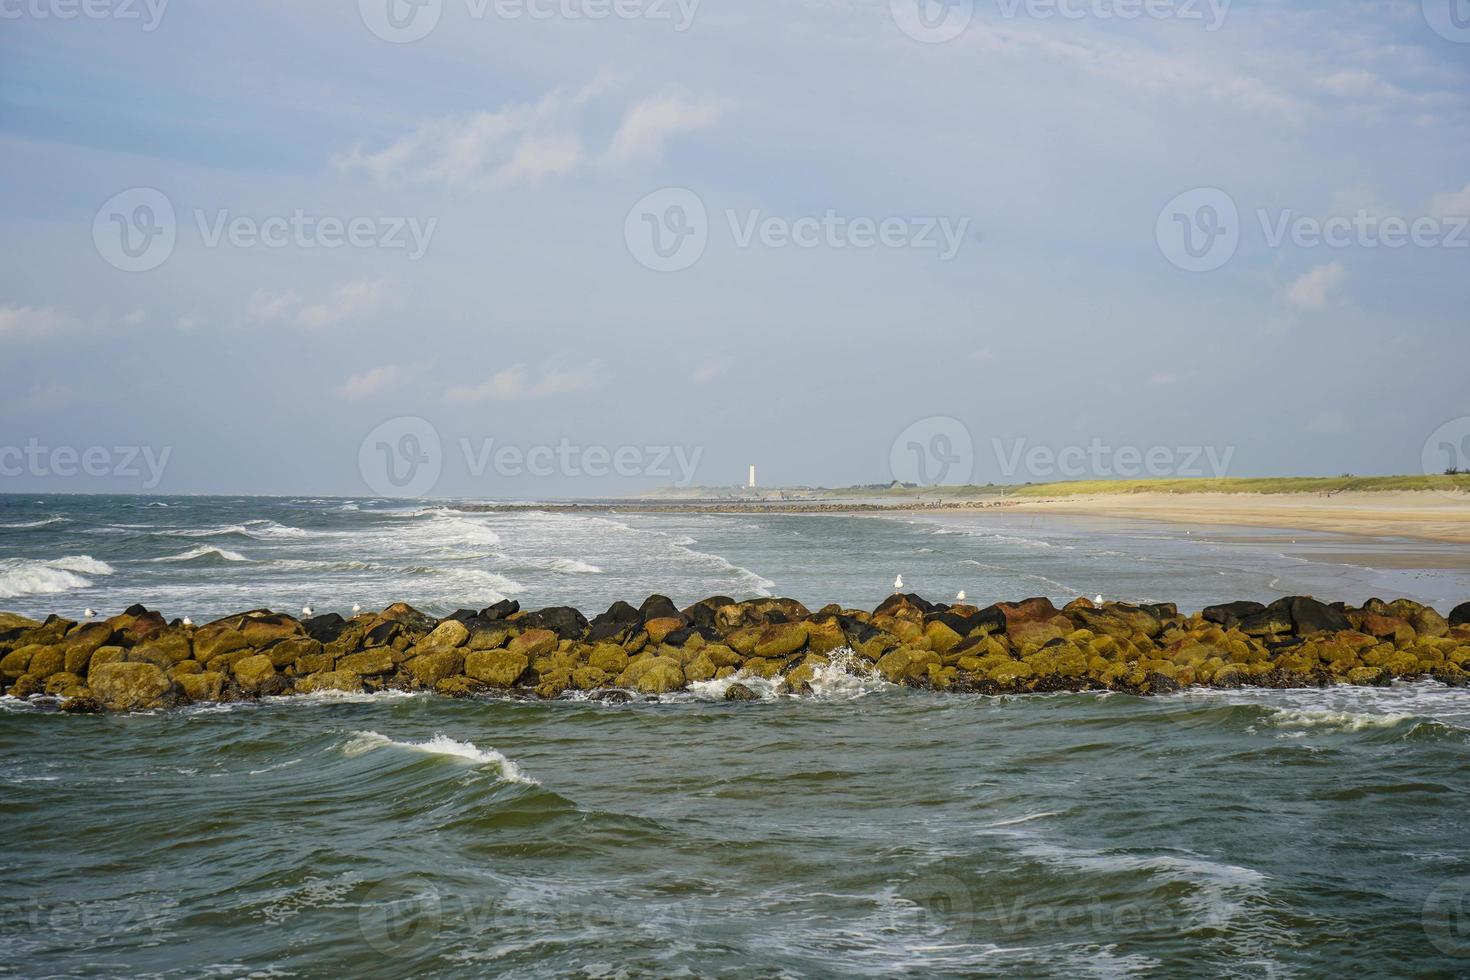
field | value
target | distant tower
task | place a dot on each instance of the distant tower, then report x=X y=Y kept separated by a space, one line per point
x=751 y=484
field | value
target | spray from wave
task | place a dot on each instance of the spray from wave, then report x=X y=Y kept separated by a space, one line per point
x=27 y=576
x=364 y=742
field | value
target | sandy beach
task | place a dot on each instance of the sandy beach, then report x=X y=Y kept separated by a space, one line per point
x=1422 y=514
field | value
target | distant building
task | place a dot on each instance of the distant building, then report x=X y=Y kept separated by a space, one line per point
x=751 y=484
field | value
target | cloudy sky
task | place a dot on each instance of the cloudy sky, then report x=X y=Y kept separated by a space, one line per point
x=291 y=244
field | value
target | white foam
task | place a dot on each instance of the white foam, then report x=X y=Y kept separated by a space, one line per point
x=203 y=551
x=440 y=745
x=30 y=524
x=1341 y=721
x=28 y=576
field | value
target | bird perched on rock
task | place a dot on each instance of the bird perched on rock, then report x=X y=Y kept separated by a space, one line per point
x=898 y=584
x=356 y=609
x=306 y=611
x=188 y=621
x=88 y=613
x=960 y=597
x=1098 y=599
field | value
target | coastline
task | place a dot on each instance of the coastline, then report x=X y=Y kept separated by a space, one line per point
x=1423 y=514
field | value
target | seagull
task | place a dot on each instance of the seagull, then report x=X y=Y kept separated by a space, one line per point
x=306 y=611
x=898 y=584
x=89 y=613
x=356 y=609
x=960 y=597
x=188 y=621
x=1098 y=599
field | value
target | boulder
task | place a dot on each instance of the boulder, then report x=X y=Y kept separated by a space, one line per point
x=204 y=686
x=1460 y=615
x=500 y=668
x=449 y=635
x=332 y=680
x=563 y=621
x=612 y=659
x=504 y=609
x=255 y=675
x=1309 y=616
x=739 y=692
x=368 y=663
x=324 y=628
x=659 y=675
x=660 y=627
x=532 y=644
x=657 y=607
x=1230 y=614
x=429 y=669
x=780 y=640
x=129 y=686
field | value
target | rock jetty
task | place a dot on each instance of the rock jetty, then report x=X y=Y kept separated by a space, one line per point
x=138 y=660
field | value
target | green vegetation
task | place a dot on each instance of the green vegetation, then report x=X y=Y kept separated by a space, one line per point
x=1285 y=484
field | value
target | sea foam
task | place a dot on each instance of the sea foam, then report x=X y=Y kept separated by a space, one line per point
x=440 y=745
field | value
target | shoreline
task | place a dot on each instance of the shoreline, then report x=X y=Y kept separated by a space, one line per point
x=1421 y=514
x=138 y=661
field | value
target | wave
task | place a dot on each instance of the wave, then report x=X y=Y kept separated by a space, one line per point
x=567 y=566
x=841 y=679
x=25 y=525
x=203 y=551
x=260 y=530
x=1338 y=721
x=440 y=745
x=28 y=576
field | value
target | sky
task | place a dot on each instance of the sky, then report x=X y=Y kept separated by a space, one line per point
x=537 y=248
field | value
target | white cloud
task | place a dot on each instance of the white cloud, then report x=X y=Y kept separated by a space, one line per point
x=389 y=377
x=346 y=302
x=523 y=143
x=32 y=322
x=648 y=124
x=1455 y=204
x=1310 y=290
x=516 y=384
x=1356 y=83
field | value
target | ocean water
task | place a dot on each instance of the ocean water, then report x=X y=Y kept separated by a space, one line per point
x=867 y=831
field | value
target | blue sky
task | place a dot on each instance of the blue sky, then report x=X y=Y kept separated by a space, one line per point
x=519 y=147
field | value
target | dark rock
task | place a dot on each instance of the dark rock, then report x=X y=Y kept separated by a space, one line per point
x=504 y=609
x=383 y=634
x=1230 y=614
x=1267 y=622
x=900 y=601
x=739 y=692
x=325 y=628
x=1460 y=615
x=566 y=622
x=705 y=611
x=1310 y=616
x=619 y=613
x=657 y=607
x=611 y=697
x=463 y=616
x=609 y=632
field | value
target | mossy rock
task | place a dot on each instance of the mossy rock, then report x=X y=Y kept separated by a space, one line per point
x=1368 y=676
x=701 y=668
x=499 y=668
x=825 y=636
x=660 y=675
x=203 y=686
x=488 y=638
x=129 y=686
x=64 y=685
x=941 y=637
x=287 y=652
x=13 y=665
x=448 y=635
x=369 y=663
x=185 y=667
x=722 y=656
x=429 y=669
x=255 y=675
x=214 y=642
x=332 y=680
x=1012 y=674
x=47 y=661
x=658 y=629
x=608 y=657
x=460 y=687
x=532 y=643
x=589 y=678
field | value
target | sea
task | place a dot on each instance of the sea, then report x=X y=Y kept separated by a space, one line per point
x=863 y=831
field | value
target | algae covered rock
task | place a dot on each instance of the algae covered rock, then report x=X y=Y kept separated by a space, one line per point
x=331 y=680
x=129 y=686
x=533 y=643
x=369 y=663
x=499 y=668
x=659 y=675
x=256 y=675
x=203 y=686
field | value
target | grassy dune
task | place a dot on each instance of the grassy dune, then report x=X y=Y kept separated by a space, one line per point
x=1285 y=484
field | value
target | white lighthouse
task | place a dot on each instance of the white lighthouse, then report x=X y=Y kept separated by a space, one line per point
x=751 y=484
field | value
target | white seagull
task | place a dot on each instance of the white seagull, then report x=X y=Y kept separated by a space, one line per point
x=356 y=609
x=188 y=621
x=898 y=584
x=1098 y=599
x=88 y=613
x=960 y=597
x=306 y=611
